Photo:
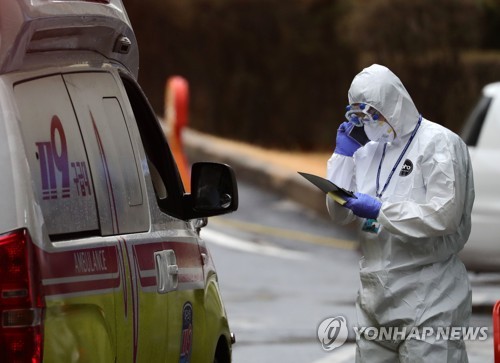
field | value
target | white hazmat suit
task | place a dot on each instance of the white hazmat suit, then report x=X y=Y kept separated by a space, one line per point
x=410 y=275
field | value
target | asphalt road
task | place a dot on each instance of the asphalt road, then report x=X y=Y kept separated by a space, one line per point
x=282 y=271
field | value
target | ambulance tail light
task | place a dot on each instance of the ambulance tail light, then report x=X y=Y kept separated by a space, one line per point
x=21 y=300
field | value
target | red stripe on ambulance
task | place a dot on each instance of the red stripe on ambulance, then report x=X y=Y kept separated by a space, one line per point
x=187 y=255
x=101 y=268
x=82 y=270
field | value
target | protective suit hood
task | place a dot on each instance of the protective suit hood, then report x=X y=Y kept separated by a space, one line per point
x=379 y=87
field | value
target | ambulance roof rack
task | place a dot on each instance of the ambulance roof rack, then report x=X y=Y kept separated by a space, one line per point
x=30 y=26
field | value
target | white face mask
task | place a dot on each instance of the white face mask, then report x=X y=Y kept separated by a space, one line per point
x=379 y=131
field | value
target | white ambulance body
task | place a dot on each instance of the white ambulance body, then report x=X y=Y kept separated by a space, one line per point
x=100 y=256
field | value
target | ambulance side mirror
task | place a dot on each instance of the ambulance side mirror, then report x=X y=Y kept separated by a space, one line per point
x=214 y=190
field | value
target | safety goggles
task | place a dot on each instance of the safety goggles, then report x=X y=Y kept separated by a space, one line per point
x=360 y=113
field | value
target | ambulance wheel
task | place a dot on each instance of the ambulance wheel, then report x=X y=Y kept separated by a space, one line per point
x=222 y=352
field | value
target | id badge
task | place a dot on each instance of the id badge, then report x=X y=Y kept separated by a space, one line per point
x=371 y=226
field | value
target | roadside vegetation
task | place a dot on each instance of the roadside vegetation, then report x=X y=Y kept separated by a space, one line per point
x=276 y=72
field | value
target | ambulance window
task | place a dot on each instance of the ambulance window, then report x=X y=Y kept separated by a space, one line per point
x=158 y=184
x=110 y=144
x=56 y=157
x=122 y=146
x=165 y=176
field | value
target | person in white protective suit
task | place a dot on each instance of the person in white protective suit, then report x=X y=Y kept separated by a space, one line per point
x=414 y=187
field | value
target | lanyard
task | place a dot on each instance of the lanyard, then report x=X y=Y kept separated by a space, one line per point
x=379 y=194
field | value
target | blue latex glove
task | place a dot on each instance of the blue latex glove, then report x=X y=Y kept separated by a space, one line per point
x=346 y=145
x=365 y=206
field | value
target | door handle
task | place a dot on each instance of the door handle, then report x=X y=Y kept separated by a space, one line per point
x=167 y=271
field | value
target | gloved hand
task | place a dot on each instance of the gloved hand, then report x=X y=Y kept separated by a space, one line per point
x=365 y=206
x=345 y=145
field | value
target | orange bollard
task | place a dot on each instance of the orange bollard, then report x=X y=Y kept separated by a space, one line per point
x=496 y=331
x=176 y=116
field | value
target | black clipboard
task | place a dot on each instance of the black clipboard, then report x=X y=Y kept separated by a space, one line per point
x=326 y=185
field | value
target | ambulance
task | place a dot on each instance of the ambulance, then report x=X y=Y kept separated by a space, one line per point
x=100 y=254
